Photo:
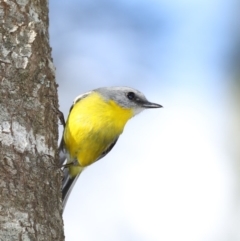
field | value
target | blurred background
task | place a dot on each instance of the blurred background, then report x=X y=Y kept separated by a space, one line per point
x=175 y=172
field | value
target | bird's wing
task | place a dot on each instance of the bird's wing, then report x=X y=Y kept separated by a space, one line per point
x=108 y=149
x=69 y=182
x=61 y=148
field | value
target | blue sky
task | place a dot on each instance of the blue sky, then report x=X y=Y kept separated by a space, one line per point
x=170 y=176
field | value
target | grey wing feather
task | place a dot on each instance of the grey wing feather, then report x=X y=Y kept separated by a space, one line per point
x=67 y=186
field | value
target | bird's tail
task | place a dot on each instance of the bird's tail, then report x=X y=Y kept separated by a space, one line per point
x=68 y=181
x=67 y=185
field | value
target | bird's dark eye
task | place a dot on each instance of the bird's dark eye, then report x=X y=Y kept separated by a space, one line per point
x=130 y=95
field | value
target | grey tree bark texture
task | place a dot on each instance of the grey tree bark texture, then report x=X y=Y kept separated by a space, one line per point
x=30 y=178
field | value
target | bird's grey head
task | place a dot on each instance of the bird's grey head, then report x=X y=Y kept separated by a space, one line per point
x=127 y=98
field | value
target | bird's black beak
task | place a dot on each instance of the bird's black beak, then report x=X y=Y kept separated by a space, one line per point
x=151 y=105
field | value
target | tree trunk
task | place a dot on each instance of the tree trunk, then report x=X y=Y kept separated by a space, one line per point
x=30 y=178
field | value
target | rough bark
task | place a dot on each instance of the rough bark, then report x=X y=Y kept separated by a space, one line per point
x=30 y=178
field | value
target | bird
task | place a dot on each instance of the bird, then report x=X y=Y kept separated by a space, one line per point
x=95 y=121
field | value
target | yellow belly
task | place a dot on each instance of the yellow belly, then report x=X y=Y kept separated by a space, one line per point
x=92 y=125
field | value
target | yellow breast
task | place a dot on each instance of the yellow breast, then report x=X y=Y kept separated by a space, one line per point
x=92 y=125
